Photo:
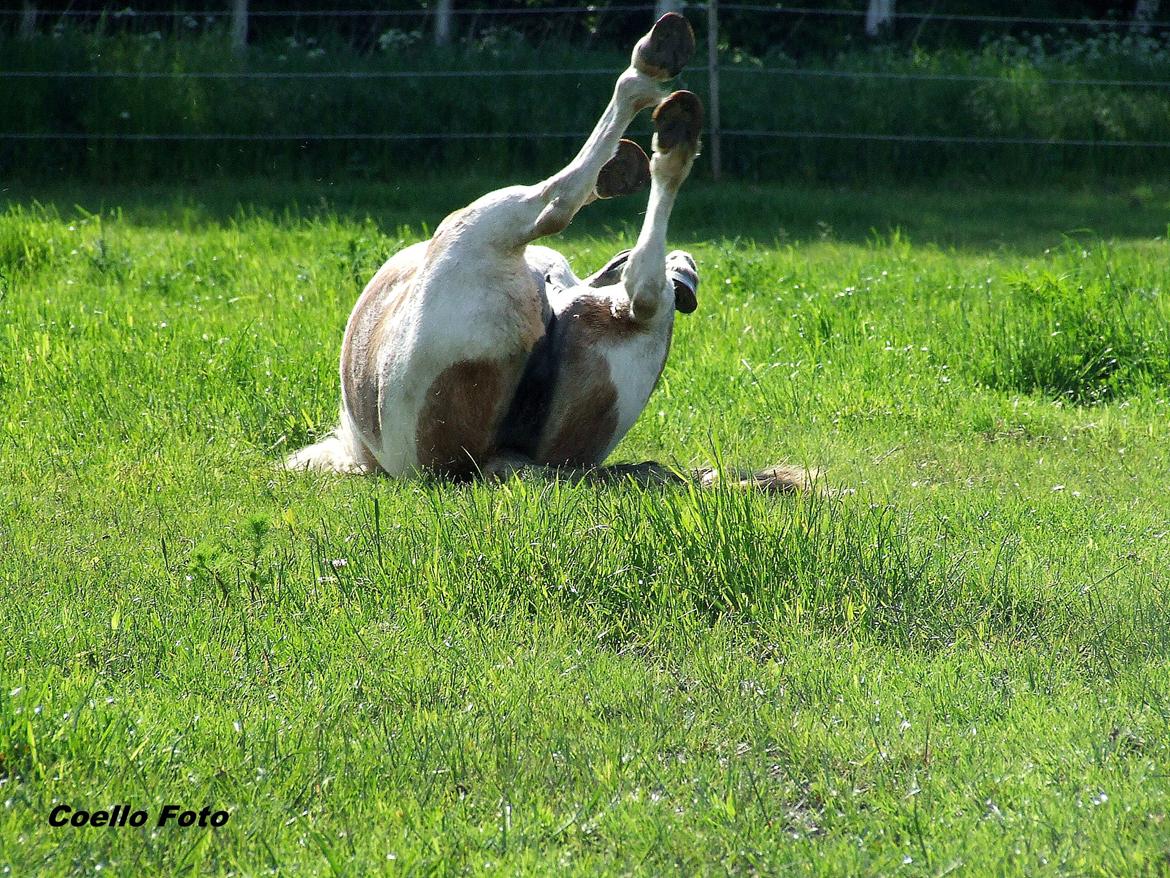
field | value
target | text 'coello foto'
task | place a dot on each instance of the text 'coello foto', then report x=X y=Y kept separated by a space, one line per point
x=125 y=815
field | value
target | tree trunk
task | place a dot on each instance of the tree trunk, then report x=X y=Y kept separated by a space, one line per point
x=443 y=19
x=1144 y=11
x=879 y=17
x=28 y=20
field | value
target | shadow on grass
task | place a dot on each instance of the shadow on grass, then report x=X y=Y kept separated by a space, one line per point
x=964 y=217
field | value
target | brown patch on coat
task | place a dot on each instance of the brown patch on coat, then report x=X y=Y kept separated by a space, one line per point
x=597 y=320
x=381 y=299
x=585 y=421
x=457 y=425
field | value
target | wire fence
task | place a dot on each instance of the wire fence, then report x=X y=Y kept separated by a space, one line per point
x=307 y=74
x=559 y=71
x=132 y=137
x=713 y=71
x=945 y=17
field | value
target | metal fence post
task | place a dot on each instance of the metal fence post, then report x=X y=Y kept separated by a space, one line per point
x=239 y=25
x=714 y=137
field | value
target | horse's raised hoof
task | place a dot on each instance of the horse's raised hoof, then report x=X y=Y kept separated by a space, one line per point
x=678 y=121
x=624 y=174
x=665 y=51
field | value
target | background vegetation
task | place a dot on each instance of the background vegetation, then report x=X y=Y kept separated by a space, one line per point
x=611 y=24
x=920 y=88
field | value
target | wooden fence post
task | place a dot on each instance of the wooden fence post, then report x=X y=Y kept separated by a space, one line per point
x=714 y=137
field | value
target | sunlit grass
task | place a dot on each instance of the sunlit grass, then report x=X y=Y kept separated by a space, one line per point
x=960 y=666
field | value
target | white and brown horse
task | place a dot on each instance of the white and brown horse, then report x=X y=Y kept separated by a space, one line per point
x=476 y=353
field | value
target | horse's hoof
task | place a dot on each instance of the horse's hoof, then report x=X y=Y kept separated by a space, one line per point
x=624 y=174
x=678 y=121
x=665 y=51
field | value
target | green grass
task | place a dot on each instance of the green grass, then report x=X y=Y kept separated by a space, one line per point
x=961 y=668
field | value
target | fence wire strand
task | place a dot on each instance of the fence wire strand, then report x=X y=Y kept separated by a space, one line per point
x=260 y=138
x=942 y=139
x=943 y=16
x=939 y=77
x=277 y=74
x=554 y=135
x=561 y=71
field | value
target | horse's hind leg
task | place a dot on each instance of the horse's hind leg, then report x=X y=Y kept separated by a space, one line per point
x=658 y=57
x=678 y=122
x=510 y=218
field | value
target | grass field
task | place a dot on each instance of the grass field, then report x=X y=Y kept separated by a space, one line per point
x=961 y=667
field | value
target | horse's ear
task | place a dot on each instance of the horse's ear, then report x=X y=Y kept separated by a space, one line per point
x=685 y=281
x=611 y=272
